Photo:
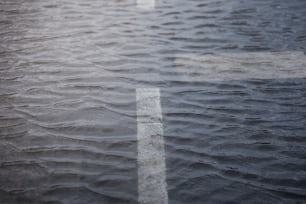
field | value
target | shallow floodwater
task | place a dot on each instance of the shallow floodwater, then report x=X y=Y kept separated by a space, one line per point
x=68 y=74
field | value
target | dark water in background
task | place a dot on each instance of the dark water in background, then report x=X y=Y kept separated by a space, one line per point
x=68 y=74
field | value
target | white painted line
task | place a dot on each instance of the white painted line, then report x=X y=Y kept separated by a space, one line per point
x=152 y=186
x=240 y=66
x=146 y=4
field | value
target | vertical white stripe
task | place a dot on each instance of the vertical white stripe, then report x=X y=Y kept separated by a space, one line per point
x=146 y=4
x=152 y=187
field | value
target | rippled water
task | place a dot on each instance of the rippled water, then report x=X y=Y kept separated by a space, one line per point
x=68 y=74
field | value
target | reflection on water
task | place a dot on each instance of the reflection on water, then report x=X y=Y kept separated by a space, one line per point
x=68 y=75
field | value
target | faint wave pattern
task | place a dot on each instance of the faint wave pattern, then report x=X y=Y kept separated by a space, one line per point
x=68 y=74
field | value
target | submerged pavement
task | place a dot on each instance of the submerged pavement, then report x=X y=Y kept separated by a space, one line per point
x=152 y=102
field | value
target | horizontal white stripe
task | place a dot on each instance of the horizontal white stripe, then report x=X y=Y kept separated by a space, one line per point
x=152 y=187
x=239 y=66
x=146 y=4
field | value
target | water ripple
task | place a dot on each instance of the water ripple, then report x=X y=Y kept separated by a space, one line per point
x=68 y=74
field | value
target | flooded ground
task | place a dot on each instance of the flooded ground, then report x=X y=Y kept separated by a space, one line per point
x=231 y=84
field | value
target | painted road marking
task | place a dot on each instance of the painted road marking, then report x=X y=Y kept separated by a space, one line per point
x=146 y=4
x=152 y=186
x=240 y=66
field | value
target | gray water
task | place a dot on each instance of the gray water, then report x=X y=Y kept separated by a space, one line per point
x=68 y=74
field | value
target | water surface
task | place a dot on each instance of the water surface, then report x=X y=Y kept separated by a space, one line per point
x=68 y=75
